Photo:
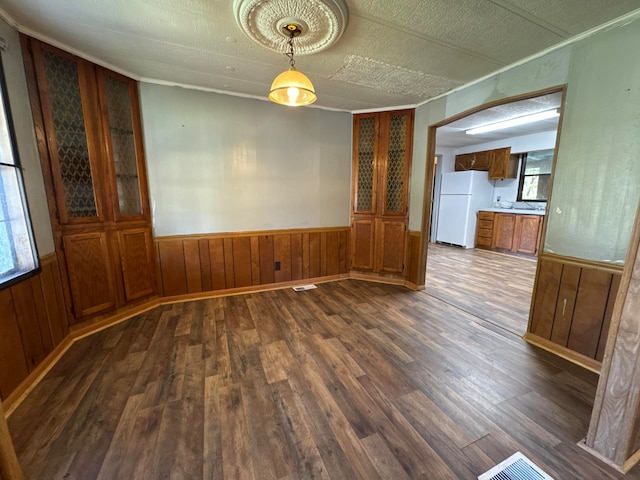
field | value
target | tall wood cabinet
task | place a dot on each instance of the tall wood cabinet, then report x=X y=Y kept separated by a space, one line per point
x=90 y=142
x=382 y=144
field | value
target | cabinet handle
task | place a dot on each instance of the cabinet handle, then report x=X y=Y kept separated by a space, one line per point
x=564 y=306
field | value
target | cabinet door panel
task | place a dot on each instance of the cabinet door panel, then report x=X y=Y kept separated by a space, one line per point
x=90 y=275
x=526 y=238
x=503 y=229
x=137 y=262
x=463 y=162
x=391 y=245
x=363 y=243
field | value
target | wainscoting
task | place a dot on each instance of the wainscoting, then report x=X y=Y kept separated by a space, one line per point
x=191 y=265
x=572 y=306
x=32 y=325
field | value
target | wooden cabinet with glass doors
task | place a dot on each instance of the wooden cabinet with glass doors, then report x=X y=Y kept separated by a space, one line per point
x=381 y=169
x=90 y=142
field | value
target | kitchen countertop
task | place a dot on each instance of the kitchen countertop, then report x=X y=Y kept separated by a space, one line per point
x=520 y=211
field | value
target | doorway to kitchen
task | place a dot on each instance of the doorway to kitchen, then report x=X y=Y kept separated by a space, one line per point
x=487 y=267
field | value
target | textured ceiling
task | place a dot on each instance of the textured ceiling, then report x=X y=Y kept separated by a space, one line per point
x=454 y=135
x=392 y=52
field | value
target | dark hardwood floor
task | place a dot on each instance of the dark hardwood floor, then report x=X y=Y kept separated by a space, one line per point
x=350 y=380
x=493 y=286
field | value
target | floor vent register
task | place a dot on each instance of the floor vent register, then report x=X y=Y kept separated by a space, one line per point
x=302 y=288
x=516 y=467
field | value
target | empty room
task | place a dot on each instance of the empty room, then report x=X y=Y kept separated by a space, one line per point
x=319 y=239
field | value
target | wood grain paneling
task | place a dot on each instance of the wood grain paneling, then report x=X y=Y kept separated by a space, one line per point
x=588 y=317
x=13 y=363
x=137 y=260
x=565 y=303
x=32 y=323
x=573 y=303
x=198 y=264
x=413 y=256
x=173 y=276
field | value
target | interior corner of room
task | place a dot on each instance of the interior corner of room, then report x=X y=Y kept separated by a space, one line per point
x=149 y=184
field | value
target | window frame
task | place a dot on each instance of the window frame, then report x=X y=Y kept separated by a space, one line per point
x=17 y=165
x=523 y=166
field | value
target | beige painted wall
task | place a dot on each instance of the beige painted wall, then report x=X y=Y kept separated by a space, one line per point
x=218 y=163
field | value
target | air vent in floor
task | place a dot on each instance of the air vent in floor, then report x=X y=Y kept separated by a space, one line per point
x=516 y=467
x=302 y=288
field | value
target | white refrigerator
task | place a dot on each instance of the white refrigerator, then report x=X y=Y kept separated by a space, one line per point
x=462 y=194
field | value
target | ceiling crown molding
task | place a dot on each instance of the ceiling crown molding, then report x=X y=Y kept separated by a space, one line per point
x=322 y=22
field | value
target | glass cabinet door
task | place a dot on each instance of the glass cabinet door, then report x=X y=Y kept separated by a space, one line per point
x=124 y=149
x=366 y=130
x=395 y=187
x=70 y=151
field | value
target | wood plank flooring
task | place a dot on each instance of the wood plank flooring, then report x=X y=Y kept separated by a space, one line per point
x=493 y=286
x=352 y=380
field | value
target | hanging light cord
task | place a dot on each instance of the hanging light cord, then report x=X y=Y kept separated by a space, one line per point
x=289 y=54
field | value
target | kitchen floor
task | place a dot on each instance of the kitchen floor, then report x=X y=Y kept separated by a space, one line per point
x=494 y=287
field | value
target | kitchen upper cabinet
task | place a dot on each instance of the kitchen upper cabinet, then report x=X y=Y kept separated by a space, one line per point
x=476 y=160
x=381 y=166
x=90 y=143
x=503 y=164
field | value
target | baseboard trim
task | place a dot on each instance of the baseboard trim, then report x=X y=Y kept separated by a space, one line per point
x=249 y=289
x=563 y=352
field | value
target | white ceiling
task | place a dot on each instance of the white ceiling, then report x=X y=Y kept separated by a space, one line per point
x=392 y=53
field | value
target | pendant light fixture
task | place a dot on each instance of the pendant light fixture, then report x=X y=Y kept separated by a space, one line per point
x=292 y=87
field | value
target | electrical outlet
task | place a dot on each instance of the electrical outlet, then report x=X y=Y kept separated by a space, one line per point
x=277 y=265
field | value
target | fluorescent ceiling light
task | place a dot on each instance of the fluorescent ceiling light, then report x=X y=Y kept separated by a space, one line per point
x=514 y=122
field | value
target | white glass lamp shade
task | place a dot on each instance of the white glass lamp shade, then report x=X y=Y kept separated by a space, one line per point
x=292 y=88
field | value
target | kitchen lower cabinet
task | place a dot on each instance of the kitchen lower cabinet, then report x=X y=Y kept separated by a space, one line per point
x=509 y=232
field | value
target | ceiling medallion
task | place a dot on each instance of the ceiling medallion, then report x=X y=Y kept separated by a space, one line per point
x=322 y=22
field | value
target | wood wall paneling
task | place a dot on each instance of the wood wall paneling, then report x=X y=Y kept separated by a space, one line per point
x=22 y=295
x=191 y=265
x=565 y=304
x=216 y=257
x=33 y=322
x=573 y=304
x=297 y=260
x=193 y=271
x=545 y=298
x=413 y=256
x=588 y=317
x=205 y=264
x=13 y=363
x=613 y=292
x=174 y=279
x=242 y=261
x=282 y=254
